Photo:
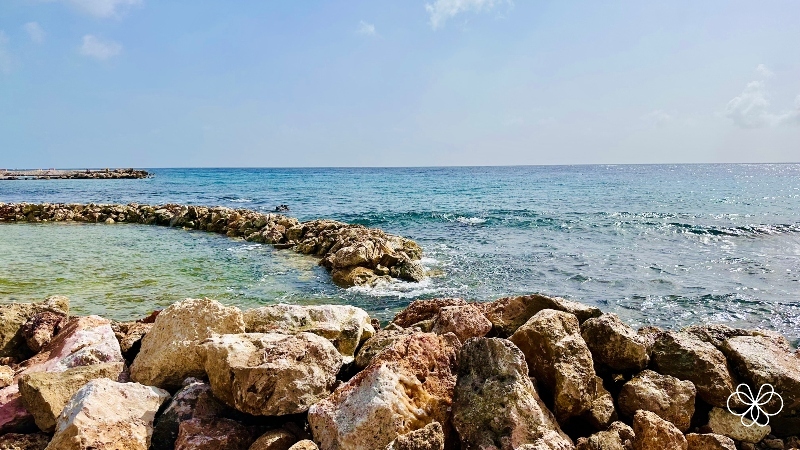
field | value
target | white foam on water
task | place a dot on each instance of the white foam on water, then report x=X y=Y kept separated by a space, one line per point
x=242 y=200
x=398 y=288
x=470 y=220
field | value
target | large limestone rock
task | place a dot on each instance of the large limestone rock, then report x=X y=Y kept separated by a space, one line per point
x=39 y=330
x=602 y=411
x=345 y=326
x=424 y=310
x=130 y=335
x=495 y=404
x=709 y=442
x=666 y=396
x=6 y=376
x=13 y=441
x=168 y=354
x=429 y=437
x=615 y=344
x=279 y=439
x=382 y=340
x=404 y=388
x=720 y=421
x=653 y=432
x=193 y=401
x=509 y=313
x=464 y=321
x=559 y=359
x=618 y=436
x=107 y=415
x=685 y=357
x=45 y=394
x=270 y=374
x=717 y=334
x=213 y=434
x=14 y=315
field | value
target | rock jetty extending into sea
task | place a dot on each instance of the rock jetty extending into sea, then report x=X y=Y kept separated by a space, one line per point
x=523 y=373
x=60 y=174
x=354 y=254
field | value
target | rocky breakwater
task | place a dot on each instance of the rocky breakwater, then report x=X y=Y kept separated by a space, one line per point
x=519 y=373
x=55 y=174
x=354 y=254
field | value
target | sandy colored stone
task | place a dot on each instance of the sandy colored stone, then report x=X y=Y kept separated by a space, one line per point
x=465 y=321
x=709 y=442
x=652 y=432
x=34 y=441
x=6 y=376
x=382 y=340
x=509 y=313
x=305 y=444
x=193 y=400
x=45 y=394
x=421 y=310
x=279 y=439
x=130 y=335
x=107 y=415
x=403 y=389
x=720 y=421
x=39 y=330
x=345 y=326
x=270 y=374
x=602 y=411
x=168 y=354
x=213 y=434
x=668 y=397
x=355 y=276
x=495 y=404
x=429 y=437
x=615 y=344
x=559 y=359
x=717 y=334
x=14 y=315
x=618 y=436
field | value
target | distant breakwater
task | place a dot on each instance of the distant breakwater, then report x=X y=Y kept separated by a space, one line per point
x=354 y=254
x=87 y=174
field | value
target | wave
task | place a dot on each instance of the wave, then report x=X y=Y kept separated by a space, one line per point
x=744 y=230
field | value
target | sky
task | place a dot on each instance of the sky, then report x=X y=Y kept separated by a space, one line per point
x=179 y=83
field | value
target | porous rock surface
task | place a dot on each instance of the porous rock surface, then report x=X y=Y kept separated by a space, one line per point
x=429 y=437
x=618 y=436
x=615 y=344
x=509 y=313
x=652 y=432
x=14 y=316
x=666 y=396
x=465 y=321
x=709 y=441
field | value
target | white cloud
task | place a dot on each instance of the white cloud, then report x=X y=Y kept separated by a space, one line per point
x=442 y=10
x=365 y=28
x=750 y=109
x=98 y=48
x=658 y=117
x=5 y=55
x=102 y=8
x=764 y=71
x=35 y=32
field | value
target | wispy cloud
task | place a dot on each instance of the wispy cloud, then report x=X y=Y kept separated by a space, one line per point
x=366 y=29
x=442 y=10
x=97 y=48
x=658 y=117
x=751 y=109
x=102 y=8
x=5 y=54
x=35 y=32
x=764 y=71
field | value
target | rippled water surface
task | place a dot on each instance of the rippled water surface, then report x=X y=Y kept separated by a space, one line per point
x=664 y=245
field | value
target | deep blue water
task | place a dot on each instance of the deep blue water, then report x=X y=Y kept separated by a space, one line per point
x=662 y=244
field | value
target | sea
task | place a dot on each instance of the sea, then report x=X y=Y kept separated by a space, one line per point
x=663 y=245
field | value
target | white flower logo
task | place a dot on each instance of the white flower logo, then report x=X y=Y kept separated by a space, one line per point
x=754 y=411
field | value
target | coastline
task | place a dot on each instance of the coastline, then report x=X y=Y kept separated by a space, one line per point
x=85 y=174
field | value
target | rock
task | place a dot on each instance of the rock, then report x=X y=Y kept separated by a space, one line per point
x=305 y=444
x=465 y=321
x=429 y=437
x=39 y=330
x=720 y=421
x=559 y=359
x=601 y=412
x=345 y=326
x=709 y=442
x=35 y=441
x=666 y=396
x=509 y=313
x=495 y=404
x=130 y=335
x=45 y=394
x=105 y=414
x=270 y=374
x=279 y=439
x=618 y=437
x=193 y=401
x=6 y=376
x=421 y=310
x=717 y=334
x=14 y=315
x=615 y=344
x=213 y=434
x=772 y=443
x=653 y=432
x=168 y=355
x=404 y=388
x=376 y=344
x=355 y=276
x=685 y=357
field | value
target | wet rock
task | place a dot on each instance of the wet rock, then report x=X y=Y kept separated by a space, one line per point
x=34 y=441
x=130 y=335
x=509 y=313
x=6 y=376
x=429 y=437
x=305 y=444
x=279 y=439
x=14 y=315
x=193 y=401
x=464 y=321
x=685 y=357
x=421 y=310
x=168 y=354
x=495 y=404
x=404 y=388
x=105 y=414
x=653 y=432
x=270 y=374
x=666 y=396
x=355 y=276
x=618 y=436
x=559 y=359
x=709 y=442
x=213 y=434
x=39 y=330
x=720 y=421
x=379 y=342
x=345 y=326
x=615 y=344
x=45 y=394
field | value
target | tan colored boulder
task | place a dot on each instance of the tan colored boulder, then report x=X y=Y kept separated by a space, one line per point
x=618 y=436
x=465 y=321
x=429 y=437
x=614 y=344
x=213 y=434
x=39 y=330
x=345 y=326
x=270 y=374
x=279 y=439
x=509 y=313
x=130 y=335
x=721 y=421
x=685 y=357
x=107 y=415
x=666 y=396
x=14 y=315
x=559 y=359
x=709 y=442
x=6 y=376
x=382 y=340
x=305 y=444
x=45 y=394
x=168 y=354
x=404 y=388
x=653 y=432
x=422 y=310
x=193 y=401
x=601 y=413
x=35 y=441
x=717 y=334
x=495 y=404
x=355 y=276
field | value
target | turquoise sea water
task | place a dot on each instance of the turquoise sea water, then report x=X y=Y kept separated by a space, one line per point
x=667 y=245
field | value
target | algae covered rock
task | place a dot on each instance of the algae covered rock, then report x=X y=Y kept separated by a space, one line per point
x=666 y=396
x=615 y=344
x=653 y=432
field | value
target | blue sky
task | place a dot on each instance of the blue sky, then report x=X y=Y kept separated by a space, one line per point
x=107 y=83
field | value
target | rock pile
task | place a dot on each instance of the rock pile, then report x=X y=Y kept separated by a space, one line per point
x=520 y=373
x=354 y=254
x=53 y=174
